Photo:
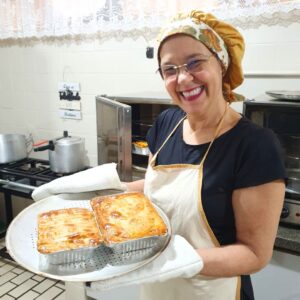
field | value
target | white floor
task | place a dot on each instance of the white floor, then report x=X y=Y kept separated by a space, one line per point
x=18 y=283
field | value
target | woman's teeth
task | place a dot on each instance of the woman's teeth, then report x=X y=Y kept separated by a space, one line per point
x=192 y=94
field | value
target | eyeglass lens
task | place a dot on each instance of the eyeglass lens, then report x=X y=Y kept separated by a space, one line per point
x=194 y=66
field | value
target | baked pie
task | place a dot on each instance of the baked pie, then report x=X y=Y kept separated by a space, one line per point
x=67 y=229
x=141 y=144
x=127 y=216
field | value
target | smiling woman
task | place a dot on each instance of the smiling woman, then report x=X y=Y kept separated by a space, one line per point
x=217 y=176
x=206 y=145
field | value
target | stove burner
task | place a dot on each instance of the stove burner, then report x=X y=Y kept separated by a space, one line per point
x=26 y=174
x=32 y=167
x=35 y=169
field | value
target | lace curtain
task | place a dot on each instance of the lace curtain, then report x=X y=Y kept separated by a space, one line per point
x=134 y=18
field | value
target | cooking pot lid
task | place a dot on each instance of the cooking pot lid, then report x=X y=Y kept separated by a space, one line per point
x=69 y=140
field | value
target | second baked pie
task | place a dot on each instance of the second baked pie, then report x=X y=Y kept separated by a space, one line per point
x=126 y=217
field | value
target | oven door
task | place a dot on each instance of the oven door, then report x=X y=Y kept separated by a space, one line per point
x=114 y=135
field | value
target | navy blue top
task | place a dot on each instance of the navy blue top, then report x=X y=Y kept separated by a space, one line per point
x=244 y=156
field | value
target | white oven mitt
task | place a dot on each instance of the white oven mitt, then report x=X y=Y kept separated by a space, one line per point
x=98 y=178
x=179 y=259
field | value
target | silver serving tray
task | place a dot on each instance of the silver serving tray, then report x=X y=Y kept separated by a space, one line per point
x=104 y=263
x=285 y=95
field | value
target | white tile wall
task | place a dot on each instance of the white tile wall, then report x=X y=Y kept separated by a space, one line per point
x=29 y=77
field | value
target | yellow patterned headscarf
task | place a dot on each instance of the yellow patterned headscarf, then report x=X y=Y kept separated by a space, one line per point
x=219 y=37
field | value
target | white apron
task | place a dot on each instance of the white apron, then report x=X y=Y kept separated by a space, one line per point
x=177 y=190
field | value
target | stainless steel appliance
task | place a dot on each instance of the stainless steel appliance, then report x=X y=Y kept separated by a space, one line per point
x=13 y=147
x=282 y=115
x=122 y=121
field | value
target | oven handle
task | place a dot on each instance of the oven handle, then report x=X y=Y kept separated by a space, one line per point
x=12 y=183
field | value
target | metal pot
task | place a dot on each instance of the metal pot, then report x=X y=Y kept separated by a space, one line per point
x=66 y=154
x=12 y=147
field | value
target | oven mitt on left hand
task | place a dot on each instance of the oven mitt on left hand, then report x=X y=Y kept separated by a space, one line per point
x=179 y=259
x=98 y=178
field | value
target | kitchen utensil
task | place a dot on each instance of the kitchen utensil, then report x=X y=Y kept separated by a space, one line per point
x=66 y=154
x=12 y=147
x=285 y=95
x=21 y=241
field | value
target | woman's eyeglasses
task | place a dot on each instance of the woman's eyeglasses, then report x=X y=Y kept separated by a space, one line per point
x=170 y=72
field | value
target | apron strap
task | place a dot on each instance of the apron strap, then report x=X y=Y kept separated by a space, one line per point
x=200 y=180
x=177 y=125
x=217 y=131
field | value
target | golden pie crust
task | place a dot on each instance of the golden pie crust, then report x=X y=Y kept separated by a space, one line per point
x=128 y=216
x=141 y=144
x=67 y=229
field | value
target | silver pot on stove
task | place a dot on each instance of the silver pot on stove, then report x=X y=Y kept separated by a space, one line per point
x=66 y=154
x=13 y=147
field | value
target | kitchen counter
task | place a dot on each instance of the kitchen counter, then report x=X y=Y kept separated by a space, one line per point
x=288 y=239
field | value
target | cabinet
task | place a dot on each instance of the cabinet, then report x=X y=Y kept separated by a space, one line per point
x=280 y=279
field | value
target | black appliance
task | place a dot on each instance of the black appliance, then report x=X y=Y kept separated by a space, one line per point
x=282 y=115
x=20 y=178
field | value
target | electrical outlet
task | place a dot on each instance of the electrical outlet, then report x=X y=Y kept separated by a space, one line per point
x=68 y=86
x=149 y=52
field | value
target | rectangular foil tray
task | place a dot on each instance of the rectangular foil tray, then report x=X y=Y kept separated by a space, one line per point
x=69 y=256
x=140 y=151
x=138 y=244
x=154 y=242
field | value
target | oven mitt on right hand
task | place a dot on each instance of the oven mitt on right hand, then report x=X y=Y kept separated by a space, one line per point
x=98 y=178
x=179 y=259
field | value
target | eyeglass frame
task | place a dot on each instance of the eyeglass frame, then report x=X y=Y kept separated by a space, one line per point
x=185 y=66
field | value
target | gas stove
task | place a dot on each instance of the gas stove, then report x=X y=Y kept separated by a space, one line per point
x=31 y=168
x=20 y=178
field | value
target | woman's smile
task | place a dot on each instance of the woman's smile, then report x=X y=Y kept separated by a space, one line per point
x=192 y=94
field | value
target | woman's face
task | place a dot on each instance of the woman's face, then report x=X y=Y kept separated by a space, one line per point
x=195 y=92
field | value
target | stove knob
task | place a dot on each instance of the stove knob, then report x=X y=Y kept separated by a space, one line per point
x=284 y=213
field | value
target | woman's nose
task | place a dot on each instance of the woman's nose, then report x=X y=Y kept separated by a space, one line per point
x=184 y=75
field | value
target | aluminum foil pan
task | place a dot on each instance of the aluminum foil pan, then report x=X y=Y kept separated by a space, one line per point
x=140 y=151
x=104 y=263
x=154 y=242
x=69 y=256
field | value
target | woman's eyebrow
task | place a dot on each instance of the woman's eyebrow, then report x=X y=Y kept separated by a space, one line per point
x=191 y=56
x=197 y=55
